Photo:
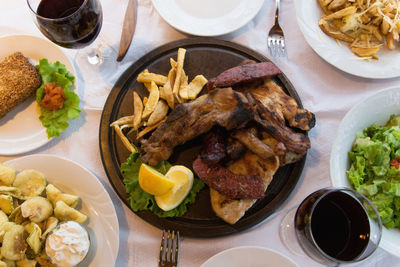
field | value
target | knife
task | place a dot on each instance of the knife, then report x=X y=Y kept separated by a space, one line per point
x=128 y=29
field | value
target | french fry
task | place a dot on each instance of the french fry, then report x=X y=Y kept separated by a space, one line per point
x=137 y=110
x=124 y=139
x=151 y=77
x=145 y=100
x=159 y=113
x=172 y=62
x=149 y=129
x=195 y=86
x=183 y=88
x=123 y=120
x=169 y=97
x=152 y=100
x=179 y=67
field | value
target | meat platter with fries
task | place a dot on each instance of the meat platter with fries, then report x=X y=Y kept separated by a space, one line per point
x=242 y=137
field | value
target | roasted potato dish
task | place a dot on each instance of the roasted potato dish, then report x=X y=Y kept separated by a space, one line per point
x=29 y=210
x=366 y=25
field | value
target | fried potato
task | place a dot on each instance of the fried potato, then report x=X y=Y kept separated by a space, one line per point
x=149 y=129
x=159 y=113
x=124 y=139
x=196 y=85
x=366 y=25
x=183 y=88
x=169 y=97
x=151 y=77
x=137 y=110
x=152 y=101
x=179 y=68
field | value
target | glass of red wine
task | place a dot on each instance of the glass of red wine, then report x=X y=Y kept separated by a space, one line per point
x=75 y=24
x=333 y=226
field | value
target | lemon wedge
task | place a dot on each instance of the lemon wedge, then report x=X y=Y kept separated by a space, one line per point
x=183 y=179
x=154 y=182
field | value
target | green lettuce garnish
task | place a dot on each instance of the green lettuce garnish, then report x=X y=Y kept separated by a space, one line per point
x=140 y=200
x=372 y=174
x=57 y=121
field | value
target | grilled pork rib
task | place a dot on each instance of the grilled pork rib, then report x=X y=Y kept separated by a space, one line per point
x=224 y=107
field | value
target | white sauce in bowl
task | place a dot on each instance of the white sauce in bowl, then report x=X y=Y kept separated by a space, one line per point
x=68 y=244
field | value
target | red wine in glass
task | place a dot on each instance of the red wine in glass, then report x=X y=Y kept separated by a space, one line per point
x=332 y=226
x=70 y=23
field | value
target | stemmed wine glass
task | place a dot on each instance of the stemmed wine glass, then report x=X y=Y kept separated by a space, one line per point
x=76 y=24
x=333 y=226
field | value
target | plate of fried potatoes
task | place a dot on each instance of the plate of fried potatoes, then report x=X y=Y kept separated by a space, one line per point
x=358 y=37
x=57 y=180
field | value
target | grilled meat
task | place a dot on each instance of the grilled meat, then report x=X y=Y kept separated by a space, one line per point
x=223 y=107
x=243 y=74
x=276 y=100
x=231 y=210
x=234 y=148
x=293 y=141
x=256 y=145
x=214 y=148
x=234 y=186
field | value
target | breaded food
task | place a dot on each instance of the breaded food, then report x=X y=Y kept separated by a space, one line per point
x=19 y=79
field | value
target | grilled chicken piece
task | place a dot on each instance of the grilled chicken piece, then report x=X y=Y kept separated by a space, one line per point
x=294 y=142
x=224 y=107
x=234 y=148
x=243 y=74
x=276 y=100
x=254 y=144
x=231 y=210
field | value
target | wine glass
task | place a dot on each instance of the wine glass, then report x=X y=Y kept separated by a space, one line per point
x=333 y=226
x=76 y=24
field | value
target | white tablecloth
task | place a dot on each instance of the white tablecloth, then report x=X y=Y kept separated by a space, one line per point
x=326 y=91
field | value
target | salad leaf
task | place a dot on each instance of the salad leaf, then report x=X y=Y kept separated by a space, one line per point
x=371 y=172
x=56 y=122
x=140 y=200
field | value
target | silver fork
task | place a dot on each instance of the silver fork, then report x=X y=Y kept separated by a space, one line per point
x=169 y=250
x=276 y=39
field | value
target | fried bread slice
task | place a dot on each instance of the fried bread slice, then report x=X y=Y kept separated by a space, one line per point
x=19 y=80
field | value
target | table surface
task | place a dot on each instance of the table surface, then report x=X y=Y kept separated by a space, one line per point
x=324 y=90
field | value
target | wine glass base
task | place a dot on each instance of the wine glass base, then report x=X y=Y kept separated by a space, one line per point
x=97 y=62
x=287 y=232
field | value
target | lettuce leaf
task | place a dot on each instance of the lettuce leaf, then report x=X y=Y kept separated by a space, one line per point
x=140 y=200
x=370 y=172
x=56 y=122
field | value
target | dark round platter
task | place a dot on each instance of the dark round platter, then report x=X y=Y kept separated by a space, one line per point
x=209 y=57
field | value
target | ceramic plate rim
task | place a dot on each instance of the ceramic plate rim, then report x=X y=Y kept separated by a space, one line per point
x=115 y=224
x=255 y=6
x=70 y=66
x=235 y=249
x=339 y=178
x=345 y=55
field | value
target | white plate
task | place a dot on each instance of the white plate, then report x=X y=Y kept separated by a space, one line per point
x=73 y=178
x=308 y=13
x=249 y=257
x=21 y=130
x=207 y=17
x=375 y=109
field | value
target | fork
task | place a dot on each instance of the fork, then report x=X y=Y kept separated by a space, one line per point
x=169 y=250
x=276 y=39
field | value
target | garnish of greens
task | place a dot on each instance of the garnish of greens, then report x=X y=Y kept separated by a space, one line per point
x=57 y=121
x=140 y=200
x=375 y=168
